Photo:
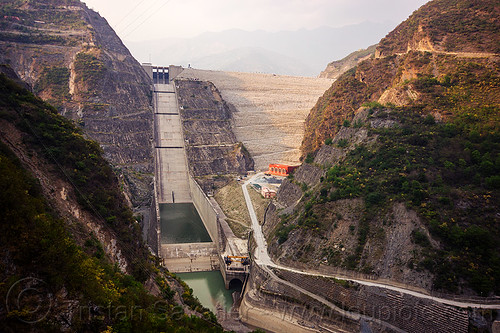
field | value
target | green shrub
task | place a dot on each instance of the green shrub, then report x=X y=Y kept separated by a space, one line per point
x=89 y=69
x=373 y=105
x=493 y=182
x=283 y=232
x=342 y=143
x=374 y=198
x=429 y=120
x=420 y=238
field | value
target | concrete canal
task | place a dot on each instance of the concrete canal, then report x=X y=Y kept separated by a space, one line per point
x=181 y=223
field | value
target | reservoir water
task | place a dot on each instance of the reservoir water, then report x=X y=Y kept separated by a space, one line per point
x=181 y=223
x=209 y=288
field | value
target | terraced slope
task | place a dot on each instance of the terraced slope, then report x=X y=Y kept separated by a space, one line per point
x=269 y=110
x=73 y=59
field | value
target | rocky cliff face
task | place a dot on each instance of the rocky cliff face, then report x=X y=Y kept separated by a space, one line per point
x=465 y=29
x=72 y=58
x=211 y=146
x=396 y=156
x=447 y=26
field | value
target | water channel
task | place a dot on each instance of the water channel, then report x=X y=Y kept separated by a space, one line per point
x=181 y=223
x=209 y=288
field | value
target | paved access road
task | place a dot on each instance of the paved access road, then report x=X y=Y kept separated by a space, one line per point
x=261 y=254
x=262 y=258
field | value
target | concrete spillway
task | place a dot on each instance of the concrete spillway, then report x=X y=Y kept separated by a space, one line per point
x=172 y=170
x=174 y=186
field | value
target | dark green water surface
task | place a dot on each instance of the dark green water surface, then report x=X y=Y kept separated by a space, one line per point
x=181 y=223
x=209 y=288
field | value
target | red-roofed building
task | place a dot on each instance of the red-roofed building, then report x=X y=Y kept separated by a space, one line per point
x=267 y=192
x=281 y=169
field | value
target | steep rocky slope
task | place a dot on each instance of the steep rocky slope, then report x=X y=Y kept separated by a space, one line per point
x=402 y=160
x=211 y=146
x=72 y=58
x=461 y=28
x=336 y=68
x=68 y=234
x=447 y=26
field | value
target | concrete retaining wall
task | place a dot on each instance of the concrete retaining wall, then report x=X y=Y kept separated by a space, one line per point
x=408 y=313
x=153 y=235
x=205 y=209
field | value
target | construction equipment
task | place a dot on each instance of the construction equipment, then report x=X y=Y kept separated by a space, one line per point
x=244 y=260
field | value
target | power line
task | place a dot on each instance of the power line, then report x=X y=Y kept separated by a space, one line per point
x=147 y=18
x=130 y=12
x=139 y=16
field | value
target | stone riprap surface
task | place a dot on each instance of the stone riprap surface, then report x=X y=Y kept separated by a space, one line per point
x=268 y=110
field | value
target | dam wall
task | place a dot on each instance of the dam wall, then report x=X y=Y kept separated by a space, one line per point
x=205 y=209
x=153 y=234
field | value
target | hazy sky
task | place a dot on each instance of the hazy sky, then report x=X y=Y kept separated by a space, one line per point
x=153 y=19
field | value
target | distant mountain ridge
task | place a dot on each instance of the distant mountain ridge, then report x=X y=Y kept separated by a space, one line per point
x=301 y=52
x=254 y=59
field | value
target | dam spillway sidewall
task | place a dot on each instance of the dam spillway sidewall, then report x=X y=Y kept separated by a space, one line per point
x=205 y=209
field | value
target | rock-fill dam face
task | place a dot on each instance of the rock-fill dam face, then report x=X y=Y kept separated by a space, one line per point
x=268 y=111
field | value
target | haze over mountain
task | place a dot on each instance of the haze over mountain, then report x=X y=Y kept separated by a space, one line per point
x=302 y=52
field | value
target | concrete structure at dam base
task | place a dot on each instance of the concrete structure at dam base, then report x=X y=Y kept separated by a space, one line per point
x=174 y=184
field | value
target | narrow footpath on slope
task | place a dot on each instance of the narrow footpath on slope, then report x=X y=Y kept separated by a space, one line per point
x=263 y=259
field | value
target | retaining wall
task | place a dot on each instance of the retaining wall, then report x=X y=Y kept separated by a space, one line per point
x=274 y=306
x=353 y=307
x=153 y=235
x=205 y=209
